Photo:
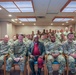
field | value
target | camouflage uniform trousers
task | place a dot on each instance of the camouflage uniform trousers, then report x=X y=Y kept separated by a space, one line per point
x=10 y=62
x=1 y=60
x=60 y=59
x=71 y=62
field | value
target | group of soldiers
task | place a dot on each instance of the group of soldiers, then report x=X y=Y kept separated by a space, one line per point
x=53 y=44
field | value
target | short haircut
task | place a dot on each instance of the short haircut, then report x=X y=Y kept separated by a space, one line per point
x=21 y=35
x=69 y=34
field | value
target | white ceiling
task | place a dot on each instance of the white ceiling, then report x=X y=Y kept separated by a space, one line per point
x=48 y=9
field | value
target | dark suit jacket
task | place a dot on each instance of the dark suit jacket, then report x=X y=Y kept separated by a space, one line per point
x=41 y=48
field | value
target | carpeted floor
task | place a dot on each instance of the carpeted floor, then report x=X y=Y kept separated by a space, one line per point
x=16 y=72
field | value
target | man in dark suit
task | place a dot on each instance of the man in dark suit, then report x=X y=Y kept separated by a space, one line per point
x=36 y=53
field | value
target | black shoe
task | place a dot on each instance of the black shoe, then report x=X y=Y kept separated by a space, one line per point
x=73 y=71
x=39 y=71
x=33 y=73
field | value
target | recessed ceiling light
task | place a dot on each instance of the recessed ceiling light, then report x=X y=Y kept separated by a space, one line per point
x=23 y=24
x=12 y=20
x=16 y=19
x=0 y=8
x=34 y=23
x=66 y=21
x=72 y=19
x=62 y=23
x=10 y=15
x=51 y=23
x=20 y=22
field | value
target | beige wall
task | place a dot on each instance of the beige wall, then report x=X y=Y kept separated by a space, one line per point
x=7 y=28
x=3 y=29
x=75 y=28
x=29 y=29
x=11 y=30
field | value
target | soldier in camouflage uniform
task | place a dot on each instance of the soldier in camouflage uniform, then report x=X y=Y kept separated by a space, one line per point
x=66 y=32
x=4 y=48
x=44 y=39
x=17 y=54
x=13 y=39
x=25 y=39
x=70 y=50
x=58 y=34
x=28 y=42
x=54 y=51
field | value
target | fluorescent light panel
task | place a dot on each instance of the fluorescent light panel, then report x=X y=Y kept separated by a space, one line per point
x=23 y=19
x=24 y=6
x=61 y=19
x=58 y=19
x=67 y=19
x=72 y=4
x=27 y=9
x=27 y=19
x=31 y=19
x=69 y=10
x=7 y=5
x=71 y=7
x=13 y=10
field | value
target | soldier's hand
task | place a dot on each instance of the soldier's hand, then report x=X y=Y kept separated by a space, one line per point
x=41 y=56
x=73 y=55
x=31 y=56
x=22 y=58
x=55 y=55
x=16 y=59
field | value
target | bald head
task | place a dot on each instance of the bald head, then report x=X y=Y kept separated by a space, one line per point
x=66 y=29
x=6 y=38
